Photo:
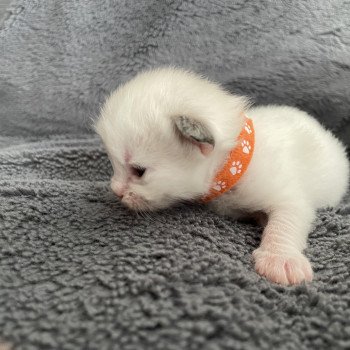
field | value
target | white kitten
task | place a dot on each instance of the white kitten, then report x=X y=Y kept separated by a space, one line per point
x=168 y=131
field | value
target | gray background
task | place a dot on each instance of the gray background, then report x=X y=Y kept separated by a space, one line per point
x=3 y=6
x=79 y=271
x=61 y=58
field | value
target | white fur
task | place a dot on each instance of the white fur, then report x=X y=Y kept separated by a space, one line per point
x=296 y=168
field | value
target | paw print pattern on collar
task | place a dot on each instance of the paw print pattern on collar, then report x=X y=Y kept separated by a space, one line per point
x=236 y=163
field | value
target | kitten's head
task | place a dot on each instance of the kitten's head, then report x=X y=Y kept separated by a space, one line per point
x=166 y=131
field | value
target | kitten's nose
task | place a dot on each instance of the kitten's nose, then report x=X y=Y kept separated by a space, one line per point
x=119 y=192
x=118 y=188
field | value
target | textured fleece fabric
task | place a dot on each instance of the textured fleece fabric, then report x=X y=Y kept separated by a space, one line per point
x=79 y=271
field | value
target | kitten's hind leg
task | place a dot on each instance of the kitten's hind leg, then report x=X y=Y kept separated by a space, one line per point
x=279 y=257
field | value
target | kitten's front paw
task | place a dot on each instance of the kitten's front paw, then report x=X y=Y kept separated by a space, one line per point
x=282 y=268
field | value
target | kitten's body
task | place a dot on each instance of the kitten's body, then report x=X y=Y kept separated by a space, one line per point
x=290 y=143
x=297 y=166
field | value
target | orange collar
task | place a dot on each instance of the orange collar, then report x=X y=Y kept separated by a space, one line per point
x=236 y=163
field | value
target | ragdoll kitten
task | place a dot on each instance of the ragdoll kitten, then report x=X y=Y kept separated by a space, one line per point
x=172 y=135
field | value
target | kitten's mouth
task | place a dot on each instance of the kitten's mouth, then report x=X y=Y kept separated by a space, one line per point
x=136 y=202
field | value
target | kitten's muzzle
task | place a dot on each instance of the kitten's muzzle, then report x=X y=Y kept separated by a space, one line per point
x=134 y=201
x=127 y=197
x=118 y=188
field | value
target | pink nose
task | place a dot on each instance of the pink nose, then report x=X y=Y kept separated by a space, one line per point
x=118 y=188
x=120 y=192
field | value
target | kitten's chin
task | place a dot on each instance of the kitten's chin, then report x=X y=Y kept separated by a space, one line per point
x=142 y=207
x=138 y=203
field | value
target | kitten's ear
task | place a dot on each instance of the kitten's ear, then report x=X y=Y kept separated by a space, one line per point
x=195 y=132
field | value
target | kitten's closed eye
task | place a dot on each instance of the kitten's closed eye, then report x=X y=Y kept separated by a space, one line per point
x=138 y=170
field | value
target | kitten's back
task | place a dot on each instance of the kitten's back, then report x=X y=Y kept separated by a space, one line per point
x=318 y=157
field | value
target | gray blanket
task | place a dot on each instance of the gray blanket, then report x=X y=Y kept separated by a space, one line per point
x=79 y=271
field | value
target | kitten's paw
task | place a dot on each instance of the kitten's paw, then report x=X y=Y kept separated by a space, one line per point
x=282 y=268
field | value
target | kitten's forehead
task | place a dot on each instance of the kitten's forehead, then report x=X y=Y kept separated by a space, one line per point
x=133 y=143
x=142 y=127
